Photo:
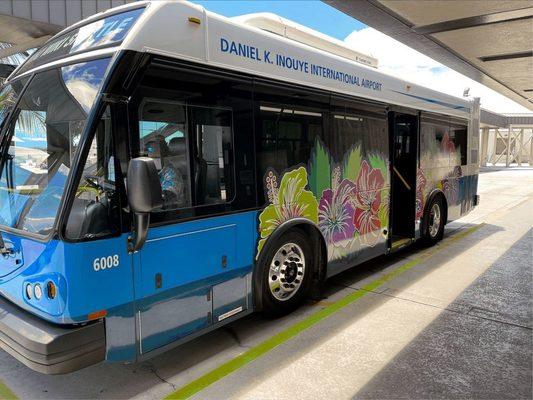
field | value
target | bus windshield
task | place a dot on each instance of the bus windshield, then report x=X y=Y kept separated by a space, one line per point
x=40 y=143
x=8 y=97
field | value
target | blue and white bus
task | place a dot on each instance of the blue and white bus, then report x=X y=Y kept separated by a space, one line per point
x=165 y=171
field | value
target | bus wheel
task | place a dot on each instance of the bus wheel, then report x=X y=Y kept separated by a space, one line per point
x=287 y=273
x=434 y=228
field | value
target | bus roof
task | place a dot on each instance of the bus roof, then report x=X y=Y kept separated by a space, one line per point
x=186 y=31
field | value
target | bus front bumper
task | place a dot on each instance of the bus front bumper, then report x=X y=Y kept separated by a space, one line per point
x=49 y=348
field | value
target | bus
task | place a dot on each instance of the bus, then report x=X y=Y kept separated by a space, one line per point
x=166 y=171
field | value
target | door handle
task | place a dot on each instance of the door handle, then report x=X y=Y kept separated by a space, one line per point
x=402 y=178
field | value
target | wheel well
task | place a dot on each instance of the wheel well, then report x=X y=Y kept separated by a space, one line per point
x=321 y=256
x=444 y=204
x=318 y=242
x=432 y=196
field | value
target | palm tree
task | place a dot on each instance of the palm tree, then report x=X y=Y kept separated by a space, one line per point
x=29 y=121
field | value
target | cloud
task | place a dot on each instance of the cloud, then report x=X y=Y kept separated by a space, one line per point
x=401 y=61
x=83 y=91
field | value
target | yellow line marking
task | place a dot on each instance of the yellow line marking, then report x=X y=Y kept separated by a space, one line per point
x=6 y=393
x=264 y=347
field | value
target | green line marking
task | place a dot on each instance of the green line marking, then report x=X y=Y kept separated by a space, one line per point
x=6 y=393
x=248 y=356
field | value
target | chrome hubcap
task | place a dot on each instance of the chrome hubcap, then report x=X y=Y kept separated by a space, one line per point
x=434 y=220
x=286 y=272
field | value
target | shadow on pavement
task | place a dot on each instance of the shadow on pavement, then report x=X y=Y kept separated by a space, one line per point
x=482 y=350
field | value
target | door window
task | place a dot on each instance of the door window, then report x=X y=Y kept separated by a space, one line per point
x=191 y=147
x=95 y=211
x=162 y=128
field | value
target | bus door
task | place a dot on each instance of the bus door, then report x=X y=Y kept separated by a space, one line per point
x=189 y=274
x=404 y=152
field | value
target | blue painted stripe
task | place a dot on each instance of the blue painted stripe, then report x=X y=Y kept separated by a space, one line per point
x=441 y=103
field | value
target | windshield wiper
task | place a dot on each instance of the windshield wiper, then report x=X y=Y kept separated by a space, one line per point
x=5 y=251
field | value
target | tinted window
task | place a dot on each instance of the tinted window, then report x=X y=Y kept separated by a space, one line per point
x=459 y=138
x=95 y=209
x=355 y=124
x=187 y=122
x=442 y=143
x=289 y=121
x=191 y=146
x=163 y=137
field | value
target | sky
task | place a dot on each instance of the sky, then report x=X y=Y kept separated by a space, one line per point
x=393 y=57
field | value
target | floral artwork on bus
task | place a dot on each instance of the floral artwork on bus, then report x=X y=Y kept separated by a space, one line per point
x=348 y=201
x=440 y=169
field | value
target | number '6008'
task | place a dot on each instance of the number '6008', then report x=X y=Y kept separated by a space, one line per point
x=105 y=262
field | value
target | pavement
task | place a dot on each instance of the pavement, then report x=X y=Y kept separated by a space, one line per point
x=456 y=324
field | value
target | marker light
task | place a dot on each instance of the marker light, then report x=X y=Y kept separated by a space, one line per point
x=38 y=291
x=195 y=20
x=51 y=290
x=29 y=291
x=97 y=315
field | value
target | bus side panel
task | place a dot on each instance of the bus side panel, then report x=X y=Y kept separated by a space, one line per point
x=444 y=167
x=100 y=282
x=191 y=274
x=325 y=160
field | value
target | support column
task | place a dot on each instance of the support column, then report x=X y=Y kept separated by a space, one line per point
x=520 y=146
x=508 y=155
x=496 y=132
x=484 y=147
x=531 y=149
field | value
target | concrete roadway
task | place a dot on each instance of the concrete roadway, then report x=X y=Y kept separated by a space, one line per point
x=456 y=325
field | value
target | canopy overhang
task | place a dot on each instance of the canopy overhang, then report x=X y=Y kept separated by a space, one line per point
x=488 y=41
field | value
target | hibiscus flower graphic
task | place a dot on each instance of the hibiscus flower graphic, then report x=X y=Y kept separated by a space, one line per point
x=367 y=202
x=447 y=145
x=336 y=212
x=289 y=200
x=450 y=185
x=421 y=182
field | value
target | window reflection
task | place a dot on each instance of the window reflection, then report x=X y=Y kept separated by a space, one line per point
x=50 y=119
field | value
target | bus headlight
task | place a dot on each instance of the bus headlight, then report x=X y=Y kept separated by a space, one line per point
x=38 y=291
x=29 y=291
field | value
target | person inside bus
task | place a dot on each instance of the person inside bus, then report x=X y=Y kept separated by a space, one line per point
x=179 y=158
x=170 y=173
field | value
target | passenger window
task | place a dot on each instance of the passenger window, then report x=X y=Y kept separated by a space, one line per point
x=458 y=136
x=357 y=124
x=191 y=147
x=162 y=128
x=443 y=143
x=212 y=127
x=289 y=122
x=95 y=209
x=436 y=148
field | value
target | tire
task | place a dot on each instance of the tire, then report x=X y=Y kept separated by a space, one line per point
x=286 y=273
x=434 y=222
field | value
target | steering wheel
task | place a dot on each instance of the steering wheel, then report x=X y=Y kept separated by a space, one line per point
x=92 y=182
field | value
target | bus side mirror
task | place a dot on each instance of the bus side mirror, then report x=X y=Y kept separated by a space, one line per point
x=144 y=196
